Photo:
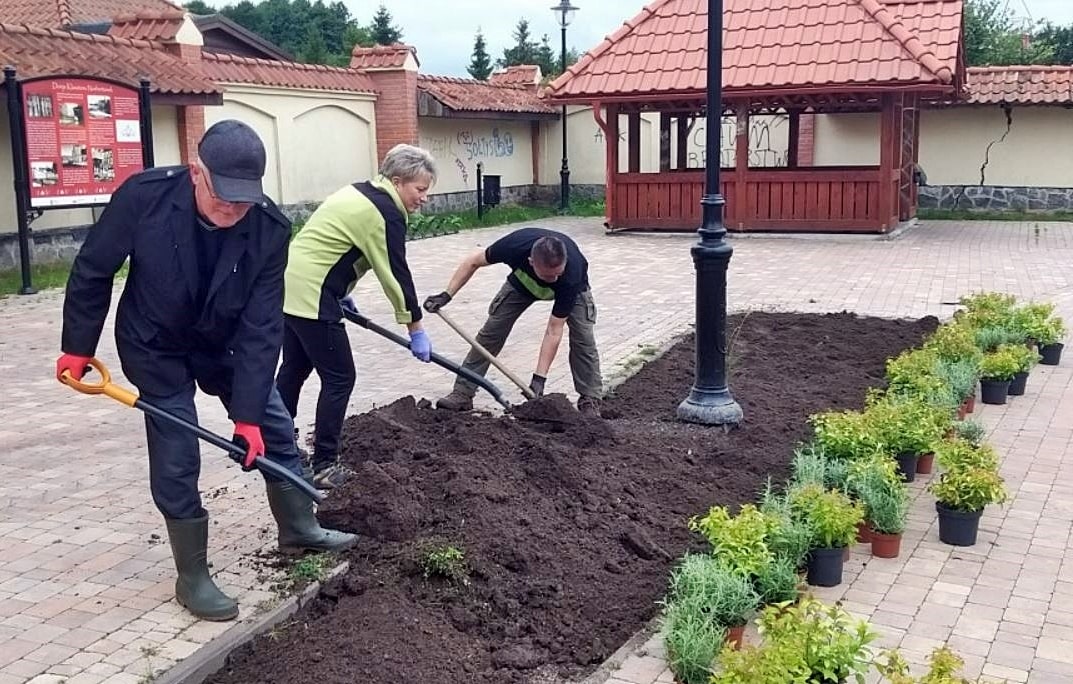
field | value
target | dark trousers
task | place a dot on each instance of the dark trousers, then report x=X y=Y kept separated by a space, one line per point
x=506 y=307
x=175 y=455
x=321 y=346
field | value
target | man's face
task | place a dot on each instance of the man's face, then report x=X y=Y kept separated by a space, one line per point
x=549 y=274
x=220 y=213
x=413 y=193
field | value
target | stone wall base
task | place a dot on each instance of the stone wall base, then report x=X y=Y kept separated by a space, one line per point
x=995 y=198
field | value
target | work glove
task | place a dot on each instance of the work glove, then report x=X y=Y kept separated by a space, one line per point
x=420 y=345
x=437 y=302
x=537 y=384
x=73 y=364
x=248 y=436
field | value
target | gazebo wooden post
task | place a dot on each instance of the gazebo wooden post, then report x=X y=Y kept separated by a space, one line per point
x=664 y=142
x=888 y=171
x=683 y=142
x=739 y=212
x=633 y=140
x=611 y=138
x=793 y=143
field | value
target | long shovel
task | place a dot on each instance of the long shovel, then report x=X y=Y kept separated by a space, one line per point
x=488 y=356
x=354 y=316
x=237 y=453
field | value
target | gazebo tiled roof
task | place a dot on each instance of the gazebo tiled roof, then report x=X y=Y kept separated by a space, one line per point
x=772 y=47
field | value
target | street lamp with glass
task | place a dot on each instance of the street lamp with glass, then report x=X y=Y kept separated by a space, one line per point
x=564 y=13
x=710 y=401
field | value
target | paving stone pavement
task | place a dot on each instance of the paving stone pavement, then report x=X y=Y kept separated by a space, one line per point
x=86 y=578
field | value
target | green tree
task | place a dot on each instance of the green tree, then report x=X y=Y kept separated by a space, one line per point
x=524 y=50
x=383 y=28
x=198 y=7
x=312 y=31
x=1060 y=38
x=314 y=50
x=994 y=38
x=480 y=66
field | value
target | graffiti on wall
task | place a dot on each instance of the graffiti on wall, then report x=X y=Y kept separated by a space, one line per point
x=762 y=149
x=466 y=147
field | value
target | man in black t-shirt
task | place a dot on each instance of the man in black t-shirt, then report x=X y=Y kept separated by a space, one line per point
x=545 y=265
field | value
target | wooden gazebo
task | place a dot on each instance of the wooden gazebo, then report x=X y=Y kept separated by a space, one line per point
x=789 y=57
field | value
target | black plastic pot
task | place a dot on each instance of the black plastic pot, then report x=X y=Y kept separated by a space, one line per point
x=1051 y=353
x=957 y=528
x=994 y=391
x=1017 y=385
x=825 y=567
x=907 y=466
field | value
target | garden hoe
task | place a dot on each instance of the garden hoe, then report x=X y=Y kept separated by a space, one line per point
x=529 y=394
x=352 y=315
x=237 y=453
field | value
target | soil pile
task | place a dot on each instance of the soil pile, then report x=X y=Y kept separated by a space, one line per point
x=569 y=525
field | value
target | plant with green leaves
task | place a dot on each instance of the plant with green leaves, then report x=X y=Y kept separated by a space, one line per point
x=960 y=376
x=843 y=434
x=807 y=642
x=1026 y=358
x=906 y=425
x=1029 y=319
x=1000 y=365
x=812 y=464
x=884 y=497
x=727 y=596
x=957 y=453
x=969 y=488
x=954 y=342
x=991 y=338
x=987 y=309
x=944 y=667
x=970 y=431
x=788 y=537
x=914 y=372
x=448 y=562
x=693 y=641
x=830 y=515
x=779 y=581
x=738 y=542
x=1052 y=331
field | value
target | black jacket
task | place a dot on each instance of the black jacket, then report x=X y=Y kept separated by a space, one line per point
x=231 y=345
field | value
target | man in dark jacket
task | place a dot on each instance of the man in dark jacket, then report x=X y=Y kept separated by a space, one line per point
x=202 y=306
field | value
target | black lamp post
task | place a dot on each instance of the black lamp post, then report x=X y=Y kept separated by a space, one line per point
x=564 y=12
x=710 y=401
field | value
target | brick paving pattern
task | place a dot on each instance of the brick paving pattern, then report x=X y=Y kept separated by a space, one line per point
x=86 y=577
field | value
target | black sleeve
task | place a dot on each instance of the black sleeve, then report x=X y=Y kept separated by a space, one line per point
x=89 y=287
x=395 y=232
x=259 y=337
x=564 y=302
x=504 y=250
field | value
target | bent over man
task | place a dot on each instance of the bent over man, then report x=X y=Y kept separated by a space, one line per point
x=359 y=228
x=545 y=265
x=201 y=306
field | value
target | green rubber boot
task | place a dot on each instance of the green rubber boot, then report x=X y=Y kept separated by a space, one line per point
x=194 y=588
x=298 y=528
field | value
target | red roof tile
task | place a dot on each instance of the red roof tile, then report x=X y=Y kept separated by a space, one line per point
x=381 y=56
x=147 y=25
x=465 y=94
x=1024 y=85
x=64 y=13
x=771 y=46
x=224 y=68
x=42 y=52
x=523 y=75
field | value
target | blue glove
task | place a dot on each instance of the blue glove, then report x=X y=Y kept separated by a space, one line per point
x=420 y=345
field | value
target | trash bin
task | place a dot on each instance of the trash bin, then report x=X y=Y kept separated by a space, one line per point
x=491 y=190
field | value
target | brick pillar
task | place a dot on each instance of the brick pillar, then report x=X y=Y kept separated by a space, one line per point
x=396 y=109
x=806 y=148
x=191 y=128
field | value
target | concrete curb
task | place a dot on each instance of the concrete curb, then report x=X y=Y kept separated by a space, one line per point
x=211 y=657
x=609 y=667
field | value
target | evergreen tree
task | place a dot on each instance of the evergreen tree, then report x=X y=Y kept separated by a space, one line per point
x=524 y=50
x=383 y=30
x=314 y=50
x=1060 y=38
x=480 y=66
x=198 y=7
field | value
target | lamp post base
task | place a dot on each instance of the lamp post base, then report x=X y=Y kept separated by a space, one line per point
x=710 y=407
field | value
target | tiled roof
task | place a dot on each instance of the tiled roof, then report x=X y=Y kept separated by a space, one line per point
x=775 y=45
x=147 y=25
x=1025 y=85
x=465 y=94
x=381 y=56
x=522 y=74
x=64 y=13
x=42 y=52
x=224 y=68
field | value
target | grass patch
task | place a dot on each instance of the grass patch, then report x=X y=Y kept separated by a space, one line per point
x=448 y=562
x=42 y=276
x=968 y=215
x=308 y=569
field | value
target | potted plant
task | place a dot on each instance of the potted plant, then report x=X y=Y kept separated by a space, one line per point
x=886 y=503
x=1049 y=338
x=842 y=434
x=832 y=518
x=692 y=639
x=738 y=542
x=944 y=667
x=961 y=494
x=779 y=581
x=997 y=370
x=987 y=309
x=961 y=377
x=805 y=642
x=1026 y=358
x=970 y=431
x=959 y=452
x=907 y=427
x=724 y=596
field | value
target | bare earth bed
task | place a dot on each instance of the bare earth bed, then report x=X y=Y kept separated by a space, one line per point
x=569 y=526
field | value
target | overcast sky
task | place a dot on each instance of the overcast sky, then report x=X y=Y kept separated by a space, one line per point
x=443 y=30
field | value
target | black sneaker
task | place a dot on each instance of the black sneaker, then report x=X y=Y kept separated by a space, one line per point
x=331 y=476
x=589 y=406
